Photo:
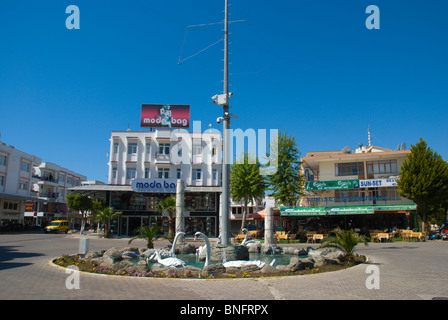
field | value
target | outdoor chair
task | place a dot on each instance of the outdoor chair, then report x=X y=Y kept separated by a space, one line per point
x=381 y=236
x=317 y=237
x=417 y=235
x=406 y=235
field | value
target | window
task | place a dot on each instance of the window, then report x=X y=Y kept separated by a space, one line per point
x=389 y=193
x=3 y=160
x=148 y=147
x=164 y=148
x=25 y=166
x=383 y=166
x=61 y=178
x=2 y=182
x=147 y=173
x=349 y=169
x=132 y=148
x=164 y=173
x=115 y=147
x=215 y=174
x=23 y=185
x=197 y=150
x=196 y=174
x=10 y=206
x=179 y=174
x=130 y=173
x=114 y=173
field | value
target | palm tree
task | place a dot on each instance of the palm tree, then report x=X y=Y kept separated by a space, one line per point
x=168 y=205
x=345 y=240
x=147 y=233
x=105 y=216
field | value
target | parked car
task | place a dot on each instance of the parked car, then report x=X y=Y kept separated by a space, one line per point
x=57 y=226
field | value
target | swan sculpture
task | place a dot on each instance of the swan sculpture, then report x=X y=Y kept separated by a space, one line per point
x=246 y=242
x=207 y=246
x=171 y=262
x=236 y=263
x=173 y=248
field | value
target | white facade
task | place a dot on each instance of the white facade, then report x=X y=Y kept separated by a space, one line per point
x=32 y=188
x=16 y=182
x=53 y=181
x=192 y=157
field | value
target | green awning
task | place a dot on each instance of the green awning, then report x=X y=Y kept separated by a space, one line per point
x=302 y=211
x=332 y=185
x=350 y=210
x=393 y=207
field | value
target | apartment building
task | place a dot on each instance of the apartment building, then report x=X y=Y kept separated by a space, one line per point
x=16 y=183
x=32 y=192
x=50 y=184
x=165 y=154
x=356 y=187
x=139 y=160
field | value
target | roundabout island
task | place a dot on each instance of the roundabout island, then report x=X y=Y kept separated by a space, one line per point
x=188 y=261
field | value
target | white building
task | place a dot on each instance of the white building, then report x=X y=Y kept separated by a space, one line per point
x=51 y=182
x=16 y=183
x=162 y=155
x=32 y=191
x=165 y=154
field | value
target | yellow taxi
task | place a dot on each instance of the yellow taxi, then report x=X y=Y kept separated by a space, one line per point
x=57 y=226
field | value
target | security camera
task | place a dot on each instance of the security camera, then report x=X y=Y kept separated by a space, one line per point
x=219 y=120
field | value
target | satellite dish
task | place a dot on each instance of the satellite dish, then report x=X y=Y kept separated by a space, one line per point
x=403 y=146
x=346 y=149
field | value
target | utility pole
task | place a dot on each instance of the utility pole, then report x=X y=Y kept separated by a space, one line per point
x=223 y=100
x=226 y=142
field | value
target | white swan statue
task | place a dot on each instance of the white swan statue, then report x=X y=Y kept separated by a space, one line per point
x=171 y=262
x=173 y=248
x=207 y=246
x=246 y=242
x=236 y=263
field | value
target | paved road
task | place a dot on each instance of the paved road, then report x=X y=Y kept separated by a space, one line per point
x=416 y=271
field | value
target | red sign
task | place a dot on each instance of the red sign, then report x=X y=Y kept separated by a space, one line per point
x=29 y=206
x=165 y=116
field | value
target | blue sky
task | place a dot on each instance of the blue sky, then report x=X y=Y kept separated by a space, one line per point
x=309 y=67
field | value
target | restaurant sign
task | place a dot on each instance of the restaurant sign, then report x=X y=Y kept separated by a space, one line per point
x=378 y=183
x=332 y=185
x=302 y=211
x=393 y=207
x=350 y=210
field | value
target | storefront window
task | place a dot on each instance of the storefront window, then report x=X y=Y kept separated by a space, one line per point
x=206 y=225
x=200 y=201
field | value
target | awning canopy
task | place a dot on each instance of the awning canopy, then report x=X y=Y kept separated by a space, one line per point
x=350 y=210
x=260 y=214
x=303 y=211
x=345 y=210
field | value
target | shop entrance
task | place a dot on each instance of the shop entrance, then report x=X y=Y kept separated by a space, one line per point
x=128 y=224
